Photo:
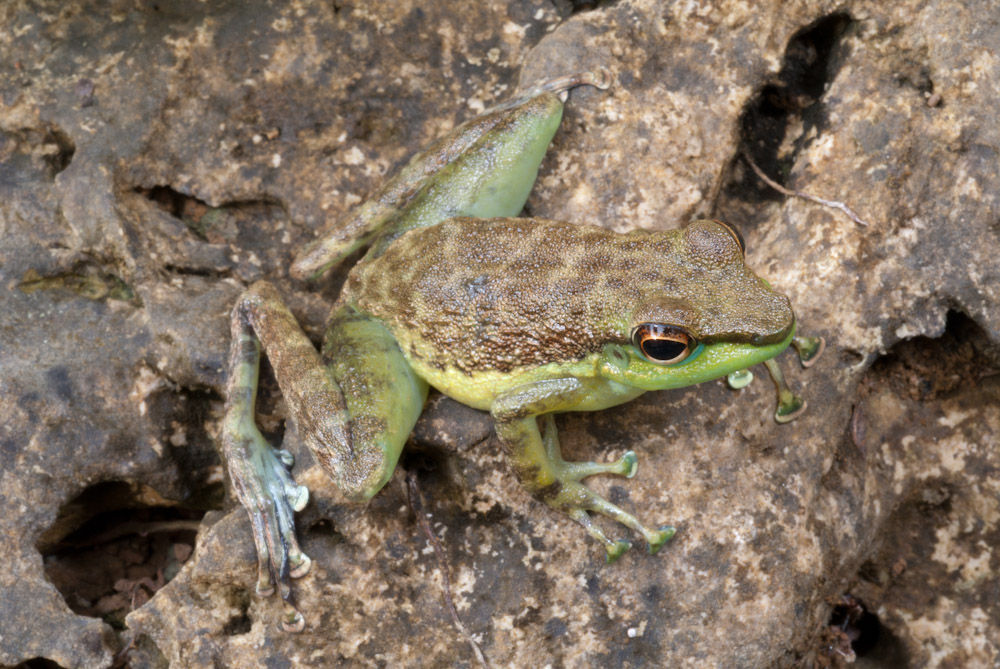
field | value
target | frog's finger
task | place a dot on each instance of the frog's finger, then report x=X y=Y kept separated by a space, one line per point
x=578 y=496
x=614 y=549
x=298 y=563
x=626 y=466
x=277 y=516
x=291 y=619
x=289 y=497
x=790 y=405
x=809 y=349
x=265 y=584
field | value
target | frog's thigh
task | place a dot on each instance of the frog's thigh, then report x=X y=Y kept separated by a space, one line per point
x=384 y=399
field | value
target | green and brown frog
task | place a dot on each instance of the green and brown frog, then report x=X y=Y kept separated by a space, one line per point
x=521 y=317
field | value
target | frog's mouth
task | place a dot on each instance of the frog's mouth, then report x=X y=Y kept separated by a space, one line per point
x=708 y=361
x=749 y=338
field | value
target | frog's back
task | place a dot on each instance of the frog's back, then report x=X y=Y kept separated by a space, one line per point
x=507 y=294
x=499 y=294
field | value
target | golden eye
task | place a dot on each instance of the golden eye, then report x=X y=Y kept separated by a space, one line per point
x=735 y=232
x=663 y=344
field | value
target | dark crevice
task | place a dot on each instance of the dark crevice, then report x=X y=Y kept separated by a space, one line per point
x=207 y=272
x=64 y=148
x=566 y=8
x=113 y=546
x=913 y=381
x=207 y=222
x=432 y=467
x=427 y=461
x=173 y=202
x=186 y=208
x=854 y=631
x=38 y=663
x=792 y=101
x=931 y=368
x=34 y=153
x=240 y=622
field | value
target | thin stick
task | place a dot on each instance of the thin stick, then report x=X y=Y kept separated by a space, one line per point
x=416 y=503
x=796 y=193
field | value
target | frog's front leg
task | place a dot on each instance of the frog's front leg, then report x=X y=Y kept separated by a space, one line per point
x=538 y=460
x=353 y=407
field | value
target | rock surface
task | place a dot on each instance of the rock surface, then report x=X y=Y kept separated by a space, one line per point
x=155 y=158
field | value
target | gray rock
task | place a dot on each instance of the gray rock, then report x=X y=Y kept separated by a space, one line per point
x=156 y=159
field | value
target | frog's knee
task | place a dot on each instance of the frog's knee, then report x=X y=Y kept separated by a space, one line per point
x=360 y=479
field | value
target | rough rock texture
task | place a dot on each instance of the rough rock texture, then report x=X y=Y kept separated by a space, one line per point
x=156 y=157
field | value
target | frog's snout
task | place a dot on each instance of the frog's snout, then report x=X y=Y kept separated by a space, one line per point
x=764 y=339
x=777 y=326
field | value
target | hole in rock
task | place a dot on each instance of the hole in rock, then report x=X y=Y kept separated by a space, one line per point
x=34 y=153
x=247 y=224
x=777 y=121
x=855 y=625
x=929 y=368
x=570 y=7
x=114 y=545
x=187 y=208
x=427 y=461
x=61 y=149
x=38 y=663
x=240 y=622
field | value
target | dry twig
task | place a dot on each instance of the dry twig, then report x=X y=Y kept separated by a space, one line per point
x=417 y=504
x=805 y=196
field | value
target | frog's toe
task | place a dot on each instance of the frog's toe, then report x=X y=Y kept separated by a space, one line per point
x=271 y=497
x=264 y=587
x=629 y=464
x=660 y=536
x=580 y=502
x=291 y=619
x=299 y=497
x=280 y=481
x=809 y=349
x=617 y=549
x=299 y=565
x=789 y=410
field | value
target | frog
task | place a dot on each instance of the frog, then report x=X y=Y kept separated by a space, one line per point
x=524 y=318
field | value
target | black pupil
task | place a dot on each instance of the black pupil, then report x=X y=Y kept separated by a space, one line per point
x=663 y=349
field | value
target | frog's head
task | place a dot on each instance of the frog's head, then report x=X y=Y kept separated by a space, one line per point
x=705 y=314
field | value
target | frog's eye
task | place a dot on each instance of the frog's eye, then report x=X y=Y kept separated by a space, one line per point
x=663 y=344
x=735 y=232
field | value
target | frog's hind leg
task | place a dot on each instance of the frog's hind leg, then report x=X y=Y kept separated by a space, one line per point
x=383 y=396
x=357 y=457
x=541 y=468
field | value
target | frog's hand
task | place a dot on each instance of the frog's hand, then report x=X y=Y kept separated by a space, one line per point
x=539 y=464
x=333 y=423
